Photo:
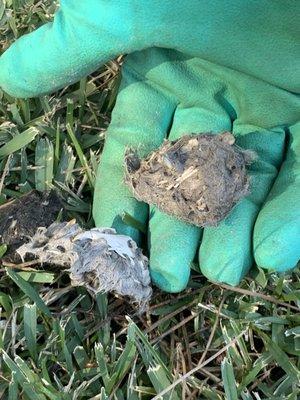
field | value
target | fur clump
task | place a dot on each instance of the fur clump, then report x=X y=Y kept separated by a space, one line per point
x=98 y=259
x=197 y=178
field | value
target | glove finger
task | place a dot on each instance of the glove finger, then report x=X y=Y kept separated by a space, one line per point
x=173 y=243
x=141 y=119
x=277 y=229
x=226 y=250
x=76 y=43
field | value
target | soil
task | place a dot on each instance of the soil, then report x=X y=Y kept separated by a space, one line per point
x=20 y=218
x=197 y=178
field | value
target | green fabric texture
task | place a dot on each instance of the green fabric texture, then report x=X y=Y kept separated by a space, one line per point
x=192 y=67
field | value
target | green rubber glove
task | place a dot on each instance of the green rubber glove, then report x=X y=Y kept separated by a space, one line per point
x=195 y=67
x=165 y=93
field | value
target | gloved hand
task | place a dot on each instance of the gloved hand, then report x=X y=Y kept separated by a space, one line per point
x=195 y=67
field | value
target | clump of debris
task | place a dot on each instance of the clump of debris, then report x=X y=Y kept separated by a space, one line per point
x=197 y=178
x=98 y=259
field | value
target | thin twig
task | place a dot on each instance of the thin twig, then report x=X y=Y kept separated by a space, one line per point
x=174 y=328
x=168 y=316
x=213 y=331
x=256 y=294
x=186 y=345
x=25 y=266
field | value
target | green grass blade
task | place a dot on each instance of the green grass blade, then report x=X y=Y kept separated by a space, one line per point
x=123 y=364
x=31 y=376
x=229 y=380
x=18 y=142
x=18 y=374
x=16 y=116
x=66 y=165
x=233 y=352
x=80 y=356
x=6 y=303
x=262 y=361
x=30 y=329
x=33 y=394
x=2 y=8
x=44 y=159
x=29 y=290
x=77 y=326
x=81 y=156
x=282 y=358
x=13 y=392
x=57 y=145
x=37 y=277
x=65 y=351
x=25 y=107
x=157 y=370
x=104 y=331
x=70 y=112
x=3 y=250
x=147 y=351
x=211 y=394
x=102 y=363
x=160 y=381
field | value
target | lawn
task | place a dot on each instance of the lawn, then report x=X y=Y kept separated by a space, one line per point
x=58 y=342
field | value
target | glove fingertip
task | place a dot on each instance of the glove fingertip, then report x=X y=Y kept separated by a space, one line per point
x=230 y=272
x=171 y=283
x=278 y=250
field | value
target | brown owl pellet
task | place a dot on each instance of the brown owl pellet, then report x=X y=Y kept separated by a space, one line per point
x=197 y=178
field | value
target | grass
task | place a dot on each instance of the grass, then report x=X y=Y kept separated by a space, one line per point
x=57 y=342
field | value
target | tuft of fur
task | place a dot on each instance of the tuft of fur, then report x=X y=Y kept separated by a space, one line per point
x=99 y=259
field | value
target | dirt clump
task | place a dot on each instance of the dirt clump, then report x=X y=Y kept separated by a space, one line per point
x=197 y=178
x=20 y=218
